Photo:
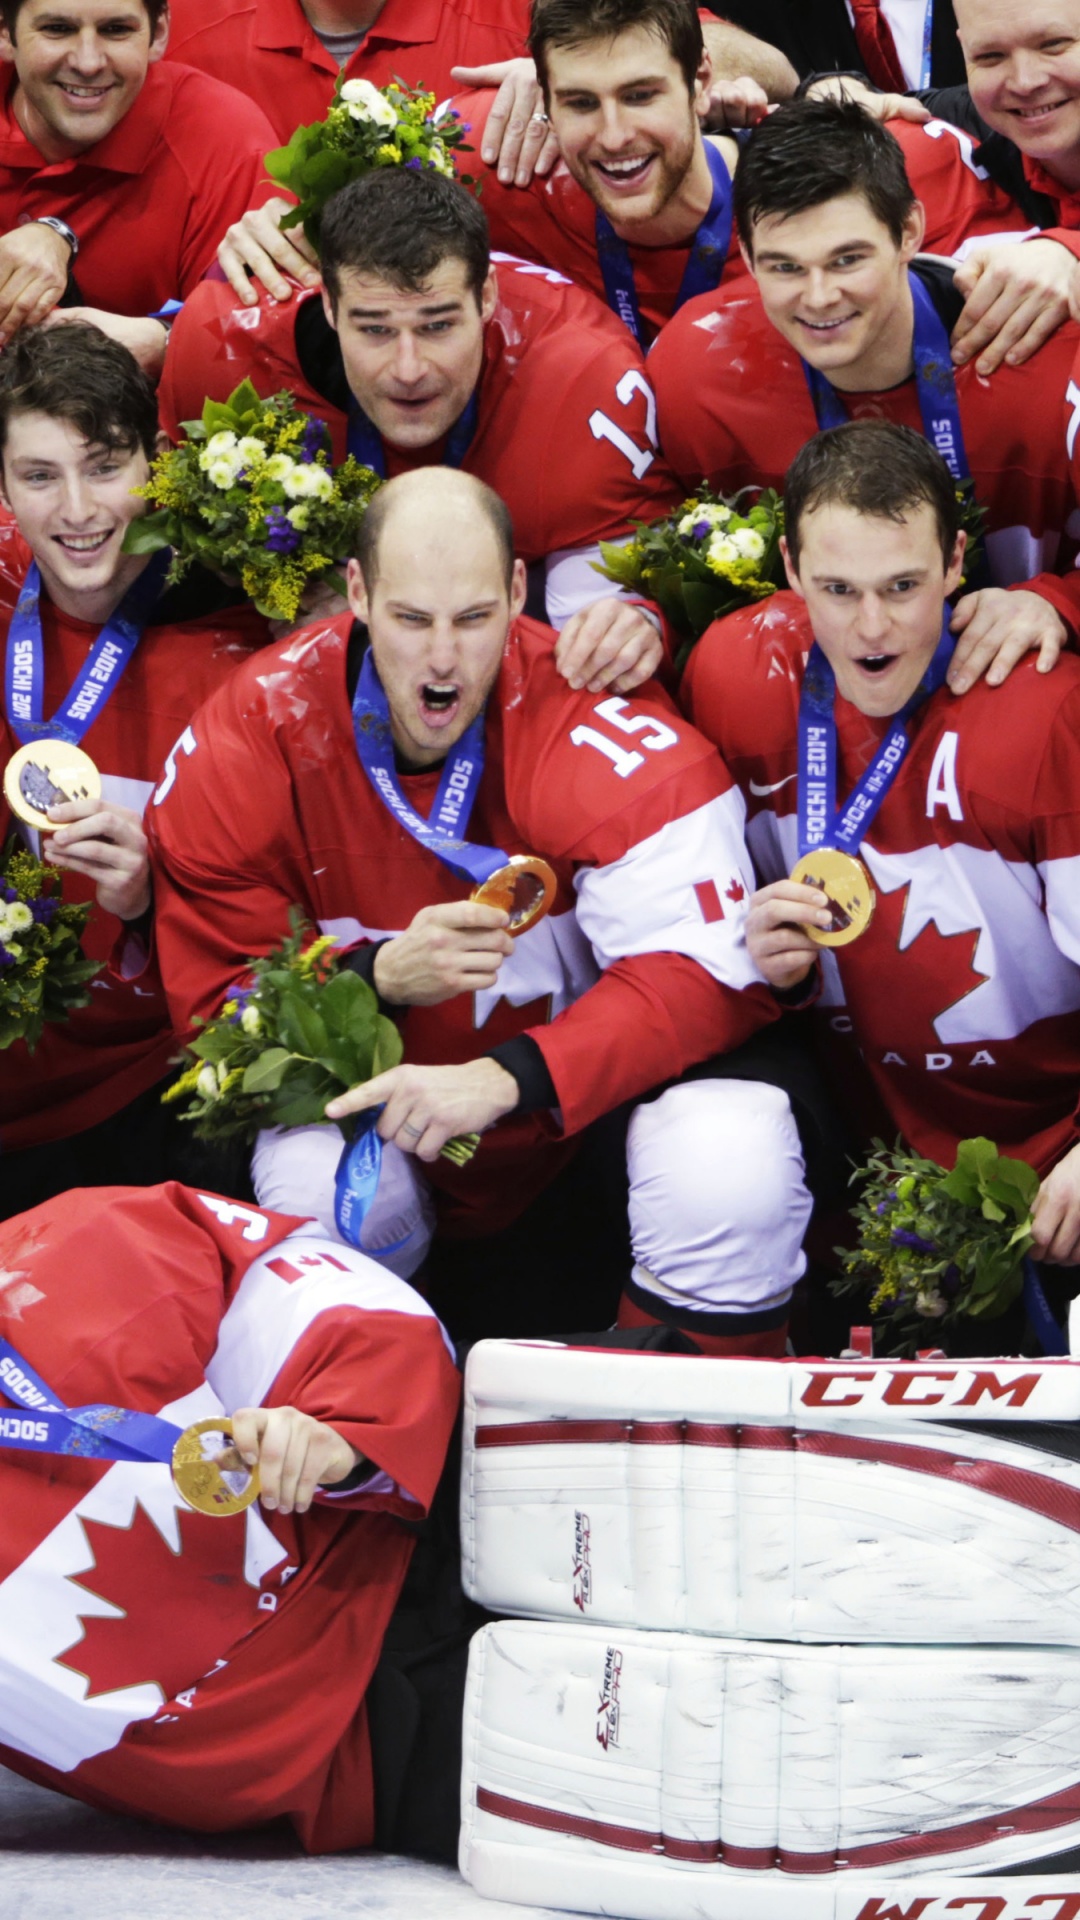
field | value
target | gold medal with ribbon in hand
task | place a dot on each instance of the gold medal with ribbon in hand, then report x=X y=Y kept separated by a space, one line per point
x=208 y=1472
x=848 y=889
x=524 y=888
x=48 y=773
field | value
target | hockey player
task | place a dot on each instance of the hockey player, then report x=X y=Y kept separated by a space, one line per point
x=961 y=987
x=78 y=425
x=638 y=973
x=845 y=320
x=422 y=350
x=223 y=1683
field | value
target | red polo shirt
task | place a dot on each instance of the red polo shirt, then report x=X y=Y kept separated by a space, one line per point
x=269 y=48
x=149 y=203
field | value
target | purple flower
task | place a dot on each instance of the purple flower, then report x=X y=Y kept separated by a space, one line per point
x=10 y=894
x=702 y=529
x=281 y=535
x=900 y=1237
x=43 y=910
x=883 y=1206
x=312 y=440
x=414 y=165
x=6 y=959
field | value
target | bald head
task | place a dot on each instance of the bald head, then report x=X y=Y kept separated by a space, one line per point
x=434 y=509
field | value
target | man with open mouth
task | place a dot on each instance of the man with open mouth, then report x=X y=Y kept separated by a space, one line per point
x=955 y=1011
x=845 y=318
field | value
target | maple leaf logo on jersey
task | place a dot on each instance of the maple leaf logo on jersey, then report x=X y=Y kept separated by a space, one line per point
x=925 y=979
x=735 y=892
x=177 y=1612
x=17 y=1292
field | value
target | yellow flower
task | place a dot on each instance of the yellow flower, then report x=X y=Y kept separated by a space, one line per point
x=186 y=1084
x=389 y=155
x=310 y=960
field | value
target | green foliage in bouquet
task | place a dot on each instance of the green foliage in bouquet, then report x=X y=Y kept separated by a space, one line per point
x=300 y=1032
x=937 y=1247
x=711 y=557
x=43 y=970
x=365 y=127
x=250 y=492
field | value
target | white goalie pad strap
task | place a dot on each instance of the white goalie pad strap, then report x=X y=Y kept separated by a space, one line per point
x=712 y=1496
x=769 y=1768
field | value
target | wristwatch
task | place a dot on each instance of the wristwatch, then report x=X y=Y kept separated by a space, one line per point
x=58 y=226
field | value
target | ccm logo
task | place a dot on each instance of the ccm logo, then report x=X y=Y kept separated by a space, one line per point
x=976 y=1906
x=962 y=1387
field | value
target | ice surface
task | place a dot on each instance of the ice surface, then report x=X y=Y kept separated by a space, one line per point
x=60 y=1860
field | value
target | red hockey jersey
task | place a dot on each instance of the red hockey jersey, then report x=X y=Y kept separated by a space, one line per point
x=734 y=408
x=963 y=995
x=964 y=207
x=567 y=422
x=207 y=1672
x=89 y=1066
x=553 y=221
x=640 y=968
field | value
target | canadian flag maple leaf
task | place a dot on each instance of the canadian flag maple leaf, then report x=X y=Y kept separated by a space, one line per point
x=180 y=1611
x=736 y=891
x=902 y=993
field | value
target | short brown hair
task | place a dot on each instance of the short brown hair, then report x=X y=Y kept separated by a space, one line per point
x=76 y=373
x=10 y=10
x=876 y=469
x=567 y=23
x=399 y=225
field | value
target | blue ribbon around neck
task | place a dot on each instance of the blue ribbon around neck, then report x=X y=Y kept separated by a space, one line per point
x=819 y=823
x=935 y=386
x=704 y=268
x=365 y=442
x=45 y=1425
x=99 y=676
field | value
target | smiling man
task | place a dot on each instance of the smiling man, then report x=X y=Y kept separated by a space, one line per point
x=845 y=319
x=284 y=797
x=961 y=989
x=78 y=427
x=424 y=351
x=107 y=172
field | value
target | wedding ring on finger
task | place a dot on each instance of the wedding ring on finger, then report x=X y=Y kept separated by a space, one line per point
x=414 y=1131
x=541 y=119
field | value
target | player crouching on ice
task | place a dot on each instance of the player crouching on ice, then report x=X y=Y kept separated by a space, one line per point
x=919 y=852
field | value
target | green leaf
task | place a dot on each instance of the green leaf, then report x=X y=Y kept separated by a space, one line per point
x=149 y=533
x=388 y=1048
x=301 y=1027
x=267 y=1072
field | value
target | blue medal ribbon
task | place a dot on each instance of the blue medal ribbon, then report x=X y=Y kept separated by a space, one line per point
x=819 y=823
x=442 y=834
x=365 y=442
x=704 y=268
x=935 y=386
x=24 y=673
x=1037 y=1307
x=45 y=1425
x=355 y=1185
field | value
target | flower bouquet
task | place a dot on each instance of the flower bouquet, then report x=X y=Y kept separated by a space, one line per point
x=937 y=1247
x=302 y=1030
x=709 y=558
x=43 y=970
x=365 y=127
x=250 y=492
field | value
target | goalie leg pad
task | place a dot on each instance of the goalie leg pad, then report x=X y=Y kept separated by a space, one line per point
x=759 y=1766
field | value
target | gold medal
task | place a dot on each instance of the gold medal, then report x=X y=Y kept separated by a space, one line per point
x=524 y=888
x=44 y=774
x=208 y=1472
x=850 y=892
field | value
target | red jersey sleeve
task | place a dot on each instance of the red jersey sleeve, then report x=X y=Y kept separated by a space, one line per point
x=963 y=205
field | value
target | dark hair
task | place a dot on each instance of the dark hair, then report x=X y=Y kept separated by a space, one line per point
x=811 y=151
x=875 y=468
x=400 y=225
x=566 y=23
x=10 y=10
x=489 y=505
x=76 y=373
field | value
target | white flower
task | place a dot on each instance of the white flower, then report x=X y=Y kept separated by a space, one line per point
x=721 y=551
x=222 y=473
x=748 y=542
x=249 y=449
x=298 y=517
x=930 y=1302
x=308 y=483
x=365 y=102
x=279 y=466
x=218 y=445
x=251 y=1020
x=207 y=1083
x=18 y=917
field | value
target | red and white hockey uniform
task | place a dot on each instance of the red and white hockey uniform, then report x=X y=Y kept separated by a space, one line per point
x=734 y=408
x=963 y=994
x=964 y=207
x=553 y=221
x=567 y=422
x=91 y=1065
x=204 y=1671
x=640 y=968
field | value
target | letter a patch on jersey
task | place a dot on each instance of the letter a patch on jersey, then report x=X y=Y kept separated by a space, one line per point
x=941 y=788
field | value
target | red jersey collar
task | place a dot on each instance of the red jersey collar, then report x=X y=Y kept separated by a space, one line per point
x=283 y=23
x=129 y=148
x=1066 y=199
